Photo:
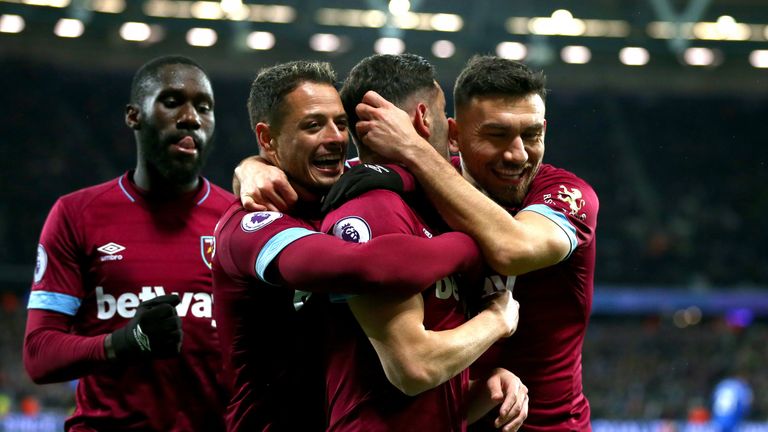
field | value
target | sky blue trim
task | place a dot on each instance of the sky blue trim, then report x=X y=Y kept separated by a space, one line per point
x=57 y=302
x=340 y=298
x=560 y=219
x=207 y=191
x=275 y=245
x=125 y=191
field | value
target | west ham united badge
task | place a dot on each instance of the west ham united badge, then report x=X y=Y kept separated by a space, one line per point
x=207 y=249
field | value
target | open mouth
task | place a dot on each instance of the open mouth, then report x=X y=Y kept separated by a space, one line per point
x=185 y=145
x=330 y=163
x=510 y=175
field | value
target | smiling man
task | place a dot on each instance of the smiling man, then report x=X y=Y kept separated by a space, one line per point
x=113 y=261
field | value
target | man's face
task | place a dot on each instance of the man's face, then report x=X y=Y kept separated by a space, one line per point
x=311 y=143
x=176 y=122
x=501 y=140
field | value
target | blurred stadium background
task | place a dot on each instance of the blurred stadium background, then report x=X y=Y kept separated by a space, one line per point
x=661 y=104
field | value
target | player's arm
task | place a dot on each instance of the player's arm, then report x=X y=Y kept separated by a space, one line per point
x=262 y=186
x=53 y=354
x=502 y=389
x=415 y=359
x=392 y=263
x=511 y=245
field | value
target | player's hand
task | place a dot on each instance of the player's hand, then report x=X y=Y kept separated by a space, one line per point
x=262 y=187
x=511 y=394
x=155 y=331
x=366 y=177
x=382 y=125
x=507 y=308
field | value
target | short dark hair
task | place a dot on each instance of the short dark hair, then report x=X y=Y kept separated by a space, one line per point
x=150 y=69
x=272 y=84
x=491 y=75
x=394 y=77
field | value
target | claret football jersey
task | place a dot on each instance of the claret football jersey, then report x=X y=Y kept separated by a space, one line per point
x=105 y=249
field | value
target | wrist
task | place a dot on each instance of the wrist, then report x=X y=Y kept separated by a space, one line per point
x=109 y=348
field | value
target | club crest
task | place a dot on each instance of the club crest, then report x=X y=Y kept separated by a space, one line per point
x=258 y=220
x=207 y=249
x=352 y=229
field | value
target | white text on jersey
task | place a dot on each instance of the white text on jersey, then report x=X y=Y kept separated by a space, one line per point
x=197 y=304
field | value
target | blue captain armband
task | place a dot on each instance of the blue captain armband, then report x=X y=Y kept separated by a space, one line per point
x=558 y=218
x=53 y=301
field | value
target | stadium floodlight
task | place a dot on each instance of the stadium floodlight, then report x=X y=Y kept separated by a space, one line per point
x=446 y=22
x=698 y=56
x=759 y=58
x=11 y=23
x=511 y=50
x=107 y=6
x=49 y=3
x=207 y=10
x=443 y=49
x=325 y=42
x=260 y=40
x=560 y=23
x=389 y=45
x=201 y=37
x=576 y=54
x=135 y=31
x=69 y=28
x=634 y=56
x=399 y=7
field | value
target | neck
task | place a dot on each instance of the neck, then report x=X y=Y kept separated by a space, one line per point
x=149 y=179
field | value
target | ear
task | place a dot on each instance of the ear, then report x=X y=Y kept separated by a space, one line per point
x=544 y=130
x=453 y=135
x=266 y=140
x=421 y=122
x=132 y=117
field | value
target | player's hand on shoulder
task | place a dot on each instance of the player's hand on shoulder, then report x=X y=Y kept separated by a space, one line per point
x=507 y=308
x=262 y=187
x=367 y=177
x=155 y=331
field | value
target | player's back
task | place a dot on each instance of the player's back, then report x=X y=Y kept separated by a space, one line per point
x=109 y=247
x=359 y=396
x=269 y=357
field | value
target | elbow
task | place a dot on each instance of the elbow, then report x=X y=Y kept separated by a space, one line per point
x=510 y=259
x=34 y=370
x=411 y=380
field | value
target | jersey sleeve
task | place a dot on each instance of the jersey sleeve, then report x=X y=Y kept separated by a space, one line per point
x=250 y=242
x=57 y=285
x=569 y=202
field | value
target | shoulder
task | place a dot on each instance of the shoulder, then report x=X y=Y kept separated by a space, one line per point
x=238 y=223
x=219 y=193
x=551 y=181
x=82 y=199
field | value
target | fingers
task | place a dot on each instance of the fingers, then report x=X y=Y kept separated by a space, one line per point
x=250 y=204
x=169 y=299
x=518 y=420
x=374 y=99
x=284 y=189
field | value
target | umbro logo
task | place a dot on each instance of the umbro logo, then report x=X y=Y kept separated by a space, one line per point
x=110 y=249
